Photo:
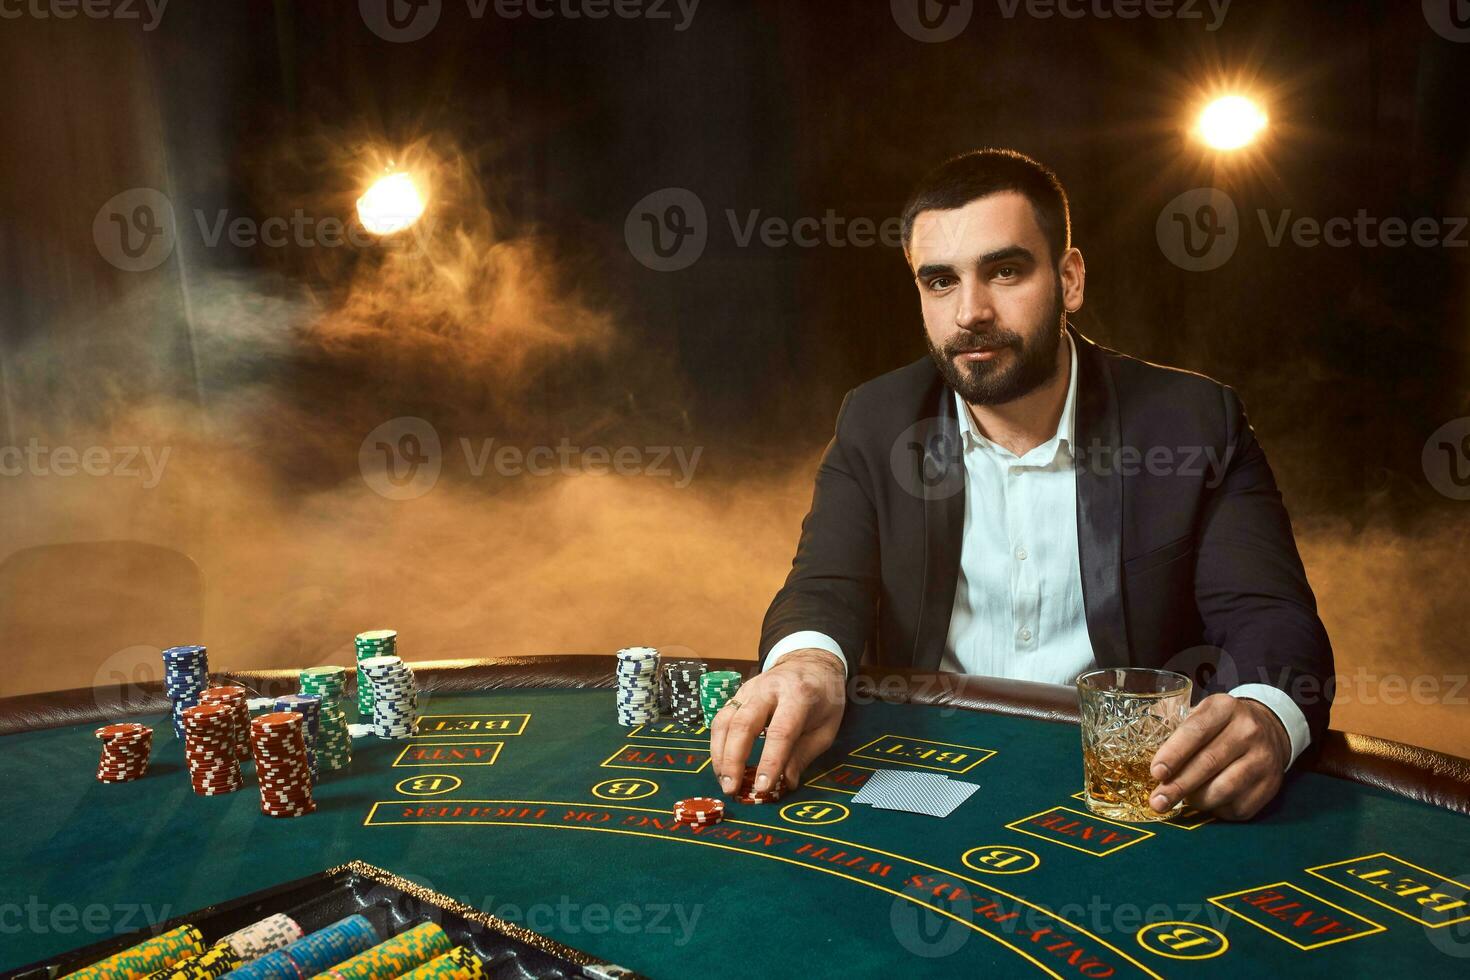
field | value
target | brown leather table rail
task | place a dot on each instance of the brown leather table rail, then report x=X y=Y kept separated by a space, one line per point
x=1416 y=773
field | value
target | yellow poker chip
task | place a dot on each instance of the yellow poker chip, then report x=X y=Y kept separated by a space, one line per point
x=147 y=957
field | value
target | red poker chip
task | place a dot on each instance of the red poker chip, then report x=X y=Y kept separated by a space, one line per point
x=699 y=804
x=124 y=729
x=282 y=789
x=291 y=806
x=283 y=775
x=276 y=721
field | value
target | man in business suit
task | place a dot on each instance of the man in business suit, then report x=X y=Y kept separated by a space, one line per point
x=1025 y=503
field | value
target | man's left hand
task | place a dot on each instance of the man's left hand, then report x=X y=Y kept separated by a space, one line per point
x=1227 y=757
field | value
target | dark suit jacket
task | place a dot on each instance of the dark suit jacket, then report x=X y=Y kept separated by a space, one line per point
x=1183 y=540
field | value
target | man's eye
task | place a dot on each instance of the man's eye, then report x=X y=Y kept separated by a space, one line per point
x=940 y=282
x=1007 y=272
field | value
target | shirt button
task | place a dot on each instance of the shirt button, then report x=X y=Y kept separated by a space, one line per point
x=1025 y=635
x=1021 y=554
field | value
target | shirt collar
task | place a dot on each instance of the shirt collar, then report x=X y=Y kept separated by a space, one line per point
x=1064 y=437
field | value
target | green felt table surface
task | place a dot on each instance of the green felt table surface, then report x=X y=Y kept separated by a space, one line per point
x=540 y=808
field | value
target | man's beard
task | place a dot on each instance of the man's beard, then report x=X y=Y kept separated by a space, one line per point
x=996 y=382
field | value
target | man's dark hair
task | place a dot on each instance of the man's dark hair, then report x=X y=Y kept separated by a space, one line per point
x=980 y=173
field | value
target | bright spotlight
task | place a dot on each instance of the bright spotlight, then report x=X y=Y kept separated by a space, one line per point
x=390 y=205
x=1231 y=122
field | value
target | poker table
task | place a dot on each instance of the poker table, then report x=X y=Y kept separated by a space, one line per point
x=521 y=796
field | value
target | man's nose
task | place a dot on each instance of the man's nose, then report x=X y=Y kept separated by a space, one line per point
x=975 y=310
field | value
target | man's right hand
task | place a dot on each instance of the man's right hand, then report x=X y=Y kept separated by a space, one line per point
x=799 y=702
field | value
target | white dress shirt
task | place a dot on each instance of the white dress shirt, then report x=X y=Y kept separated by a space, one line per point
x=1018 y=610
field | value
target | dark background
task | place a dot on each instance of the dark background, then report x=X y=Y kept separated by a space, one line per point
x=263 y=369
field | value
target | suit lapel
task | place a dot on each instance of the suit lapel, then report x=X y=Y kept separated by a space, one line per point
x=1099 y=505
x=942 y=483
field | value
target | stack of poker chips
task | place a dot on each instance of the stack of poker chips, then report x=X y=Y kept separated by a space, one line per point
x=309 y=707
x=334 y=741
x=460 y=963
x=394 y=957
x=637 y=698
x=395 y=696
x=213 y=963
x=373 y=643
x=700 y=811
x=266 y=936
x=237 y=700
x=147 y=957
x=715 y=688
x=681 y=681
x=185 y=676
x=747 y=792
x=278 y=743
x=312 y=954
x=125 y=749
x=209 y=749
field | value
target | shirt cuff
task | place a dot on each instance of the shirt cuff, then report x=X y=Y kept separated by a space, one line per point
x=1284 y=708
x=805 y=640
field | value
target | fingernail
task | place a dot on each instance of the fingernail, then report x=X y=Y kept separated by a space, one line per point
x=1160 y=802
x=760 y=782
x=1160 y=771
x=727 y=784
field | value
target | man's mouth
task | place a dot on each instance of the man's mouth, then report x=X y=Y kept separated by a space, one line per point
x=975 y=354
